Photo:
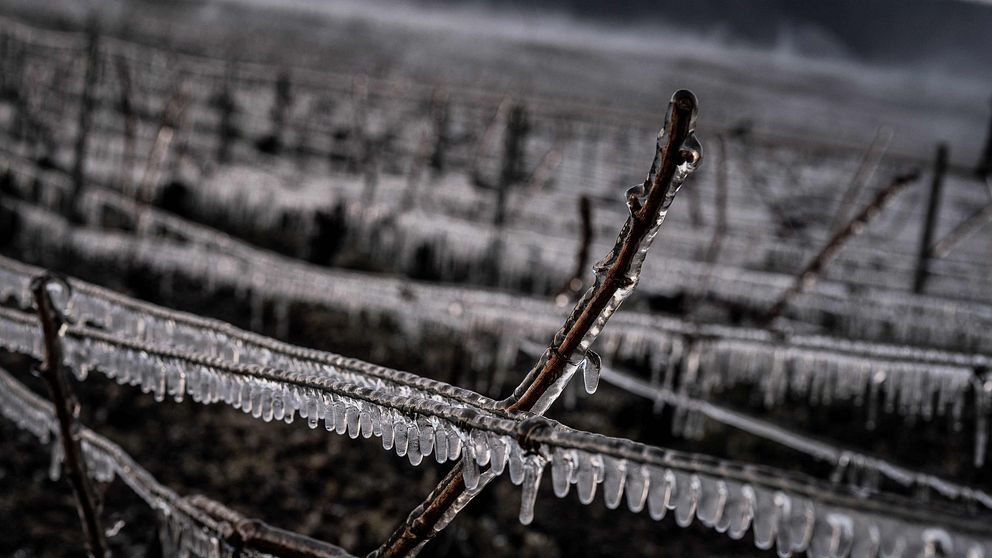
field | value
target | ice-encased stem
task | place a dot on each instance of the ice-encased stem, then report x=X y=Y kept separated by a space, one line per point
x=46 y=290
x=194 y=526
x=677 y=155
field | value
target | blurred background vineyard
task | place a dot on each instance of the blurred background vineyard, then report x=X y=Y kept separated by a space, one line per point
x=405 y=182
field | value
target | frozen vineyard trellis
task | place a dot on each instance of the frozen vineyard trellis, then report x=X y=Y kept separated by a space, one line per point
x=819 y=368
x=169 y=353
x=34 y=57
x=822 y=369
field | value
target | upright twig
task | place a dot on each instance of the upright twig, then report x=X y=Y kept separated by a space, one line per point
x=869 y=162
x=441 y=117
x=511 y=173
x=929 y=226
x=774 y=208
x=359 y=122
x=127 y=113
x=226 y=128
x=66 y=411
x=697 y=293
x=540 y=177
x=574 y=284
x=172 y=118
x=418 y=159
x=482 y=147
x=974 y=223
x=278 y=115
x=693 y=206
x=720 y=225
x=84 y=122
x=811 y=272
x=617 y=274
x=514 y=152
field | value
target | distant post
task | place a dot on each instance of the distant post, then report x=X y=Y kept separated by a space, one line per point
x=85 y=117
x=933 y=207
x=226 y=128
x=984 y=167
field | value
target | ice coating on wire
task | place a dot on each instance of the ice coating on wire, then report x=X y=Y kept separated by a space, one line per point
x=782 y=512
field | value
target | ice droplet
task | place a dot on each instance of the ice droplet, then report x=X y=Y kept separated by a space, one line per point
x=590 y=371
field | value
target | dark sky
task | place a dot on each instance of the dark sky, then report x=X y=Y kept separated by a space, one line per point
x=952 y=33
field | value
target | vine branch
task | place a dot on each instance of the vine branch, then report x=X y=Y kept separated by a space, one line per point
x=677 y=154
x=812 y=271
x=66 y=411
x=574 y=284
x=259 y=535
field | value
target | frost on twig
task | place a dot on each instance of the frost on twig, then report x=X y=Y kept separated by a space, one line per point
x=678 y=154
x=66 y=409
x=194 y=526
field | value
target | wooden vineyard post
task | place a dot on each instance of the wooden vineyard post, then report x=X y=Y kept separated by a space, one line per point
x=930 y=224
x=84 y=122
x=984 y=168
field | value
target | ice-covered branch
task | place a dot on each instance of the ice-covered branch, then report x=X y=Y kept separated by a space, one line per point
x=875 y=315
x=46 y=289
x=677 y=155
x=821 y=369
x=193 y=525
x=720 y=494
x=841 y=458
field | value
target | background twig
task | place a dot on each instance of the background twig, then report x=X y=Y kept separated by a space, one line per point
x=811 y=272
x=574 y=284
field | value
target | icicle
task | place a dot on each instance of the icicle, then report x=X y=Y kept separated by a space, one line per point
x=614 y=476
x=388 y=433
x=400 y=440
x=688 y=500
x=782 y=510
x=562 y=463
x=365 y=424
x=590 y=371
x=311 y=404
x=427 y=437
x=741 y=511
x=340 y=414
x=440 y=445
x=375 y=416
x=533 y=470
x=661 y=493
x=515 y=463
x=983 y=408
x=712 y=503
x=589 y=474
x=55 y=464
x=454 y=444
x=470 y=467
x=638 y=482
x=765 y=524
x=499 y=453
x=832 y=538
x=352 y=420
x=413 y=451
x=480 y=440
